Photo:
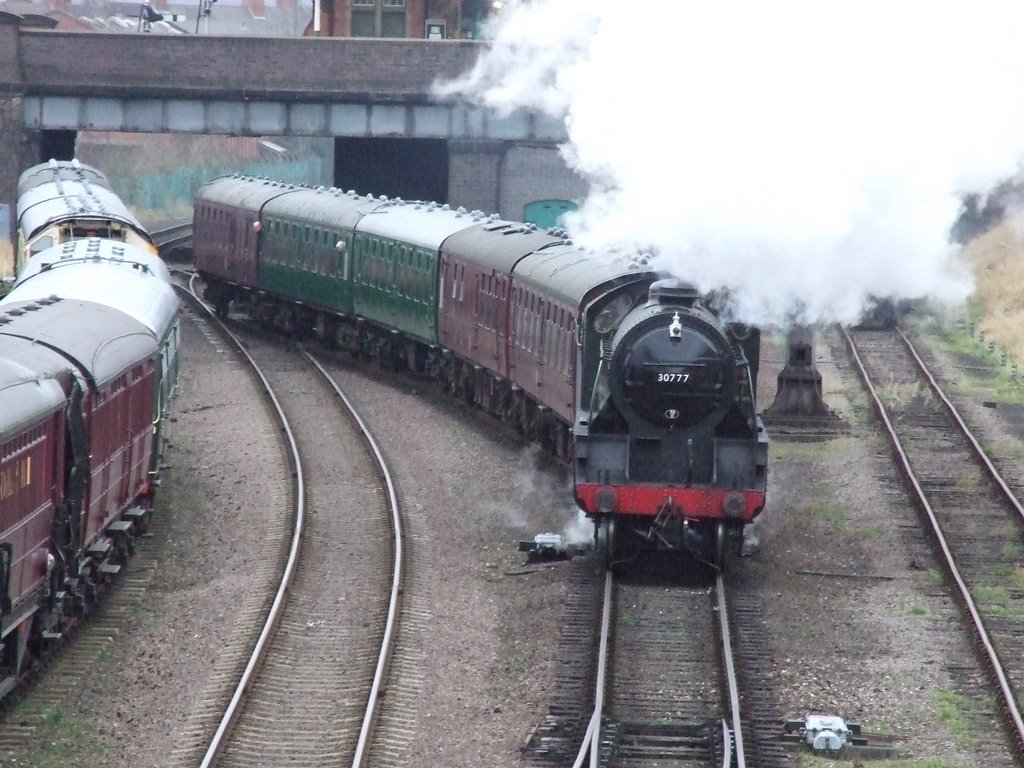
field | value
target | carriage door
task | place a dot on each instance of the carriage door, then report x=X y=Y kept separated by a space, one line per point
x=443 y=320
x=6 y=558
x=249 y=239
x=125 y=403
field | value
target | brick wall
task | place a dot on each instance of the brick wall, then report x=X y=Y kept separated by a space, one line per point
x=532 y=173
x=474 y=170
x=10 y=122
x=501 y=177
x=288 y=69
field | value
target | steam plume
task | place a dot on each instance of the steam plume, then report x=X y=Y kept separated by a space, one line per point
x=803 y=155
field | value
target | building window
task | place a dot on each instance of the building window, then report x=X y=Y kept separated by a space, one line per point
x=378 y=18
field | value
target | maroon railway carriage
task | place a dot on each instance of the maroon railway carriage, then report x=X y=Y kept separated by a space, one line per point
x=518 y=318
x=486 y=325
x=232 y=206
x=34 y=386
x=476 y=326
x=76 y=401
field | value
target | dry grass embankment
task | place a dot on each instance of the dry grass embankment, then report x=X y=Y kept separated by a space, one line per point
x=997 y=260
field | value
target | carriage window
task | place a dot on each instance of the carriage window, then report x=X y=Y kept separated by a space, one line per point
x=41 y=244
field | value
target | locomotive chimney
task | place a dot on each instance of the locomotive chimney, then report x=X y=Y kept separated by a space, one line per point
x=671 y=290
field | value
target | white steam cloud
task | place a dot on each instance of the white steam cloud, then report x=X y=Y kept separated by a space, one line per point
x=802 y=155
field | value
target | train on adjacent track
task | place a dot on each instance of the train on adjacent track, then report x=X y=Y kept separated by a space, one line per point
x=63 y=201
x=628 y=374
x=89 y=340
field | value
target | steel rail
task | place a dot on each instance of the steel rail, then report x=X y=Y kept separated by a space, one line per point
x=979 y=452
x=731 y=682
x=398 y=574
x=732 y=739
x=593 y=735
x=227 y=721
x=1010 y=708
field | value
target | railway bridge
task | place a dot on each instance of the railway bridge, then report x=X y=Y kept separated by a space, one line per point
x=372 y=95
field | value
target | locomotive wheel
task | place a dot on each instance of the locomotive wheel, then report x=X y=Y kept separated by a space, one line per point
x=718 y=556
x=610 y=535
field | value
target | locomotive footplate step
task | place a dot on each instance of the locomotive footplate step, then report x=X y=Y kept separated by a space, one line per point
x=111 y=569
x=99 y=547
x=120 y=526
x=135 y=513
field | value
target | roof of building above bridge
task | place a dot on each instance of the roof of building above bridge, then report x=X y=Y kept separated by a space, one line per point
x=227 y=17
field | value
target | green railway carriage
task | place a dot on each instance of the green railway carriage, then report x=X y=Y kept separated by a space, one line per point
x=306 y=245
x=395 y=264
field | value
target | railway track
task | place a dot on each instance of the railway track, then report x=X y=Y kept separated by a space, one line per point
x=665 y=703
x=969 y=510
x=174 y=241
x=665 y=690
x=308 y=680
x=282 y=521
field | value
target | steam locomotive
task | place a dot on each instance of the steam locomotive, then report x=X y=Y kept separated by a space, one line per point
x=628 y=374
x=88 y=365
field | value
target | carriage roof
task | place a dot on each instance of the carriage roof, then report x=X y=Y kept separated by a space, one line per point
x=100 y=341
x=116 y=274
